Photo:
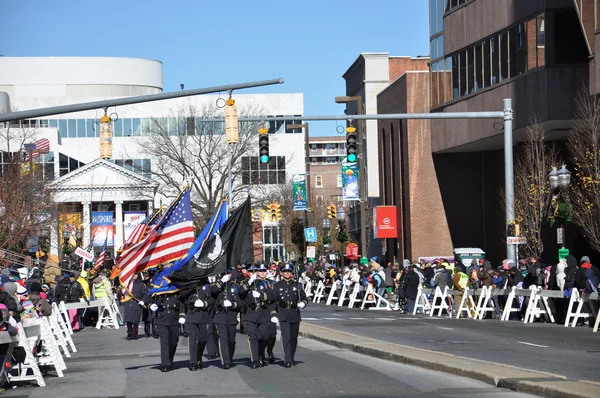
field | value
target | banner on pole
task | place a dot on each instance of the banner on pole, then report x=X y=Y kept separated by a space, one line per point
x=350 y=180
x=132 y=219
x=102 y=228
x=299 y=191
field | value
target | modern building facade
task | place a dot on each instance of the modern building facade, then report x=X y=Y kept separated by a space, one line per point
x=83 y=183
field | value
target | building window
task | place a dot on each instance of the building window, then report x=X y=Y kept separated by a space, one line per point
x=319 y=181
x=339 y=180
x=330 y=160
x=313 y=161
x=319 y=199
x=134 y=207
x=256 y=173
x=313 y=147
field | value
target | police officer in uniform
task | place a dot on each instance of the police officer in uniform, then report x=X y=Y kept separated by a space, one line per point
x=147 y=315
x=239 y=275
x=198 y=305
x=133 y=304
x=169 y=314
x=290 y=299
x=257 y=293
x=227 y=305
x=212 y=338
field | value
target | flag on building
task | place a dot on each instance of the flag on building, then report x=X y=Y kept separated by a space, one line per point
x=36 y=149
x=168 y=241
x=101 y=257
x=230 y=245
x=161 y=283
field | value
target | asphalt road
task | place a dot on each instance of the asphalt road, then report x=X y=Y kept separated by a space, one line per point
x=106 y=365
x=571 y=352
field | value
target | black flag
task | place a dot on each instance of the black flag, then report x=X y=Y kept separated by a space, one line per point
x=230 y=245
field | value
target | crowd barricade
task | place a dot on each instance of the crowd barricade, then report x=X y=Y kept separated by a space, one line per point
x=444 y=298
x=29 y=369
x=319 y=292
x=514 y=302
x=355 y=298
x=467 y=304
x=422 y=300
x=308 y=285
x=332 y=293
x=539 y=305
x=576 y=304
x=342 y=298
x=488 y=301
x=109 y=315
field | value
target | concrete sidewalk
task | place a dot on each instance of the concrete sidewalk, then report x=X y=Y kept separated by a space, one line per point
x=504 y=376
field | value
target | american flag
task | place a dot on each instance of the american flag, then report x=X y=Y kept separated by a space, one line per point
x=39 y=147
x=101 y=257
x=142 y=230
x=168 y=241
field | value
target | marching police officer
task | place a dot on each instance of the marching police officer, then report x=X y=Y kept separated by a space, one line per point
x=212 y=339
x=290 y=299
x=257 y=293
x=133 y=304
x=147 y=315
x=198 y=305
x=169 y=314
x=227 y=305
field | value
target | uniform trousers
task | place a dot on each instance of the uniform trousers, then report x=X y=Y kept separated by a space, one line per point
x=169 y=337
x=226 y=342
x=212 y=343
x=198 y=332
x=289 y=339
x=132 y=329
x=272 y=338
x=258 y=333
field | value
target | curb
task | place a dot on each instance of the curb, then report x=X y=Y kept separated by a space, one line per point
x=502 y=376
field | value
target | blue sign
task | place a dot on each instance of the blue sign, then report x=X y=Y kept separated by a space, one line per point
x=310 y=234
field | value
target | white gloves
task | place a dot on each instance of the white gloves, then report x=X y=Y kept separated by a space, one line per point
x=154 y=308
x=225 y=278
x=227 y=304
x=301 y=304
x=252 y=279
x=199 y=303
x=182 y=321
x=141 y=303
x=12 y=321
x=255 y=294
x=274 y=319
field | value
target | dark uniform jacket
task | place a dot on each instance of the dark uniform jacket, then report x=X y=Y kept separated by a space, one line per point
x=203 y=314
x=132 y=311
x=170 y=309
x=287 y=296
x=258 y=310
x=226 y=291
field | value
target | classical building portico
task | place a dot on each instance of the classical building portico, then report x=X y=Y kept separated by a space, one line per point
x=100 y=186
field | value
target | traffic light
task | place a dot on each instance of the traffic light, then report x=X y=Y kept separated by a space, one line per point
x=351 y=144
x=275 y=211
x=231 y=122
x=263 y=145
x=331 y=211
x=106 y=134
x=254 y=216
x=263 y=216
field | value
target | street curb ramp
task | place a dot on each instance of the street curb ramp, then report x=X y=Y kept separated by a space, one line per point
x=502 y=376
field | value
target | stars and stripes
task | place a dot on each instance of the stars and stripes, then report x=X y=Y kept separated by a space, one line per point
x=142 y=230
x=36 y=149
x=168 y=241
x=101 y=257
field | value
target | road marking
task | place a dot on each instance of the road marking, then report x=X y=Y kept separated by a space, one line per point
x=441 y=327
x=535 y=345
x=403 y=318
x=309 y=319
x=385 y=319
x=331 y=319
x=357 y=319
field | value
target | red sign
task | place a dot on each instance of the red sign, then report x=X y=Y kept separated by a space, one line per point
x=352 y=251
x=385 y=222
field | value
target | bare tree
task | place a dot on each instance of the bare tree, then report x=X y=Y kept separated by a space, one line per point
x=532 y=191
x=584 y=149
x=185 y=148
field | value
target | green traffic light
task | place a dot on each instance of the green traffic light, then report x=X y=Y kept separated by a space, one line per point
x=264 y=159
x=352 y=157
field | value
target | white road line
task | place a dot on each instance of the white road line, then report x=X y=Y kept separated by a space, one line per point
x=535 y=345
x=441 y=327
x=385 y=319
x=357 y=319
x=331 y=319
x=309 y=319
x=403 y=318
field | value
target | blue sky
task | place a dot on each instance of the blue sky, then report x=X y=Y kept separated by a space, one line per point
x=205 y=43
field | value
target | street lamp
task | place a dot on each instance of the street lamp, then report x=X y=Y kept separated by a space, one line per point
x=563 y=210
x=362 y=176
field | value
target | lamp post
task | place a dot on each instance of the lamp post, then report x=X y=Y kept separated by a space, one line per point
x=326 y=228
x=362 y=175
x=309 y=221
x=66 y=233
x=559 y=184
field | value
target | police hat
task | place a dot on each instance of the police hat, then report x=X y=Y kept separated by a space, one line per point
x=286 y=267
x=251 y=267
x=261 y=267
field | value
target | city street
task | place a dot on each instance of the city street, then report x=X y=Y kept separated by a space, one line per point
x=539 y=346
x=107 y=365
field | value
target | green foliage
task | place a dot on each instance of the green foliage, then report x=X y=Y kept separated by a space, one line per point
x=342 y=236
x=563 y=214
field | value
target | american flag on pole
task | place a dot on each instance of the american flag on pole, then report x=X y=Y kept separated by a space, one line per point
x=36 y=149
x=168 y=241
x=101 y=257
x=142 y=230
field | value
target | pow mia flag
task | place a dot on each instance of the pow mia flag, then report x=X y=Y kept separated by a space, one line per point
x=230 y=245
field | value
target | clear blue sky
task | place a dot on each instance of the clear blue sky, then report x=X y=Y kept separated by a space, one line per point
x=310 y=43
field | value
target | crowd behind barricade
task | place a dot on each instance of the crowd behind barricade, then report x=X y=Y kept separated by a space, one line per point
x=400 y=283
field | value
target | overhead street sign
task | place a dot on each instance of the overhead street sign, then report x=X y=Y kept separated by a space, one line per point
x=516 y=240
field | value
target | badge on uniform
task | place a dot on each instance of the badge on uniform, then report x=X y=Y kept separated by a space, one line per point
x=294 y=289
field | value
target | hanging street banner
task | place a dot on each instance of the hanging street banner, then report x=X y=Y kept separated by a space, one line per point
x=131 y=219
x=299 y=191
x=102 y=228
x=350 y=180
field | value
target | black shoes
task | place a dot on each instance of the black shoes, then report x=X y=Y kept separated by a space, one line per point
x=148 y=335
x=193 y=367
x=215 y=356
x=199 y=364
x=255 y=365
x=166 y=368
x=288 y=365
x=271 y=359
x=226 y=366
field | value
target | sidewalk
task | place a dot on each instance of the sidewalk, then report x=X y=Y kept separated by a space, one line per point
x=504 y=376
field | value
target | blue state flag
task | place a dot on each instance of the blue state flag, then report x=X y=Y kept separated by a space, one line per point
x=161 y=283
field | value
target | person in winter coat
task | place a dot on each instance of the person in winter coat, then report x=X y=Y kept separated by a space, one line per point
x=8 y=298
x=52 y=271
x=133 y=304
x=587 y=277
x=560 y=275
x=411 y=287
x=82 y=280
x=102 y=288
